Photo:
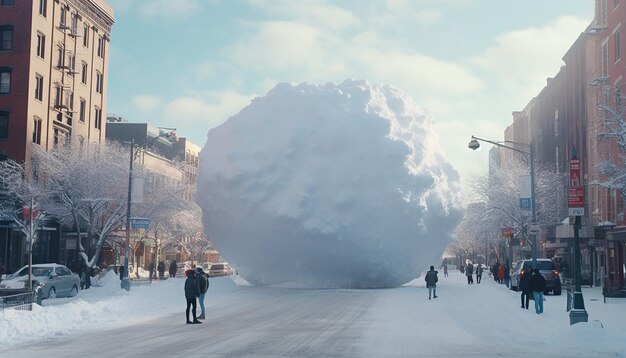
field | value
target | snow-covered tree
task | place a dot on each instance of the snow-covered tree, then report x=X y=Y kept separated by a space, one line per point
x=612 y=127
x=88 y=185
x=188 y=233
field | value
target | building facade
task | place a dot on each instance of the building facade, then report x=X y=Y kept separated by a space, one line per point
x=53 y=73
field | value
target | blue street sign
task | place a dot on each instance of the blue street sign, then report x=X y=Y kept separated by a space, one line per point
x=139 y=223
x=524 y=203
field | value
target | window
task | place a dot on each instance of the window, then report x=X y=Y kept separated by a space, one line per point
x=6 y=38
x=58 y=97
x=72 y=64
x=617 y=46
x=5 y=80
x=84 y=75
x=41 y=45
x=100 y=47
x=43 y=7
x=62 y=16
x=37 y=130
x=99 y=82
x=74 y=24
x=7 y=2
x=69 y=101
x=61 y=56
x=86 y=35
x=39 y=88
x=98 y=118
x=81 y=110
x=4 y=125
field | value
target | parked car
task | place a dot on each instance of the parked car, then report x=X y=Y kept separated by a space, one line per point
x=55 y=280
x=546 y=268
x=221 y=269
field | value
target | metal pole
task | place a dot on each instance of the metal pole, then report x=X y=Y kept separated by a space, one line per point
x=577 y=313
x=30 y=246
x=125 y=279
x=533 y=234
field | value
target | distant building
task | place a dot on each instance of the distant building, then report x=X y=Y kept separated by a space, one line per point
x=53 y=72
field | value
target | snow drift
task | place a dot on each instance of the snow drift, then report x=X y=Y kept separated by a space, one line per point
x=328 y=186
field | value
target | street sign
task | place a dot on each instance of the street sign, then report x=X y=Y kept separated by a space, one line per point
x=507 y=232
x=139 y=223
x=575 y=191
x=525 y=191
x=534 y=228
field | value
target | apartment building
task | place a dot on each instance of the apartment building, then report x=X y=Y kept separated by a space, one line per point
x=53 y=73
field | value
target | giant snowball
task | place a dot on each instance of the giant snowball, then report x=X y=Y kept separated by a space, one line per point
x=328 y=186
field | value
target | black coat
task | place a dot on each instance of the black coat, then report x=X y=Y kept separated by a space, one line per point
x=191 y=288
x=537 y=283
x=431 y=278
x=203 y=282
x=524 y=282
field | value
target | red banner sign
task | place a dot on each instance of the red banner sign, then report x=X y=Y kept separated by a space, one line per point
x=575 y=197
x=507 y=232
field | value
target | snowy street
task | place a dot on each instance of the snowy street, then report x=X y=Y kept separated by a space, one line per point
x=466 y=320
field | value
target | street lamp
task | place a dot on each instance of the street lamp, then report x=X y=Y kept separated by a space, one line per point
x=125 y=284
x=474 y=144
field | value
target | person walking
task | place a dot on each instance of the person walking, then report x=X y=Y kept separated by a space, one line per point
x=431 y=282
x=500 y=273
x=479 y=272
x=161 y=270
x=524 y=286
x=445 y=270
x=494 y=271
x=173 y=268
x=150 y=270
x=538 y=286
x=203 y=286
x=191 y=294
x=469 y=271
x=507 y=274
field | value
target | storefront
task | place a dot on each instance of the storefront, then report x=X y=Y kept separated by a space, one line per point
x=615 y=248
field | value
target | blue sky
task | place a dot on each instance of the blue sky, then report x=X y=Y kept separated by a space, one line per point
x=191 y=64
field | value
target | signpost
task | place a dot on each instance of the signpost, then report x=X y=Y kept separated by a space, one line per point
x=139 y=223
x=576 y=208
x=525 y=192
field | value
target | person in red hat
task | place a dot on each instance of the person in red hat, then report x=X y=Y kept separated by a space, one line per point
x=192 y=292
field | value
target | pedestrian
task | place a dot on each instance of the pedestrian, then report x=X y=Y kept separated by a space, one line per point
x=507 y=274
x=121 y=272
x=203 y=286
x=431 y=282
x=494 y=271
x=537 y=286
x=173 y=268
x=191 y=294
x=500 y=273
x=479 y=273
x=524 y=286
x=469 y=271
x=151 y=270
x=161 y=269
x=445 y=270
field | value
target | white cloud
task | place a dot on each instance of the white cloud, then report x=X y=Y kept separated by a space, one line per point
x=311 y=13
x=520 y=61
x=210 y=109
x=169 y=8
x=146 y=103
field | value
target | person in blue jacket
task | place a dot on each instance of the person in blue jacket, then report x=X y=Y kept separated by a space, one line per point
x=431 y=282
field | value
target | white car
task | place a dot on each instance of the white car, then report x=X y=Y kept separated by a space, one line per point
x=55 y=280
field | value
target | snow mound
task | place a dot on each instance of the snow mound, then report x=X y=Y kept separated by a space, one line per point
x=328 y=186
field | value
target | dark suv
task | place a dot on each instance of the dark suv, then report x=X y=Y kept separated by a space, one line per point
x=546 y=268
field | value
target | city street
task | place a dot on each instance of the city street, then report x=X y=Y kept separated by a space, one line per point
x=464 y=321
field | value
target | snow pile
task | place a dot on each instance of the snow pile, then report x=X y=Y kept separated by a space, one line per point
x=328 y=186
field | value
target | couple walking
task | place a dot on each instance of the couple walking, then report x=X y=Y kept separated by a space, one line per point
x=196 y=286
x=532 y=282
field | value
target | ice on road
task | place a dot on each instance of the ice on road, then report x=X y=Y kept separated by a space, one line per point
x=465 y=321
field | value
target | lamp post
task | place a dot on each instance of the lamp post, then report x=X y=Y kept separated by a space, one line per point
x=575 y=203
x=125 y=284
x=473 y=144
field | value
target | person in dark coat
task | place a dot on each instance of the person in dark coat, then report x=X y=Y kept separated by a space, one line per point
x=507 y=275
x=151 y=270
x=479 y=272
x=537 y=286
x=431 y=282
x=203 y=286
x=445 y=270
x=121 y=272
x=524 y=286
x=469 y=271
x=161 y=270
x=191 y=294
x=173 y=268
